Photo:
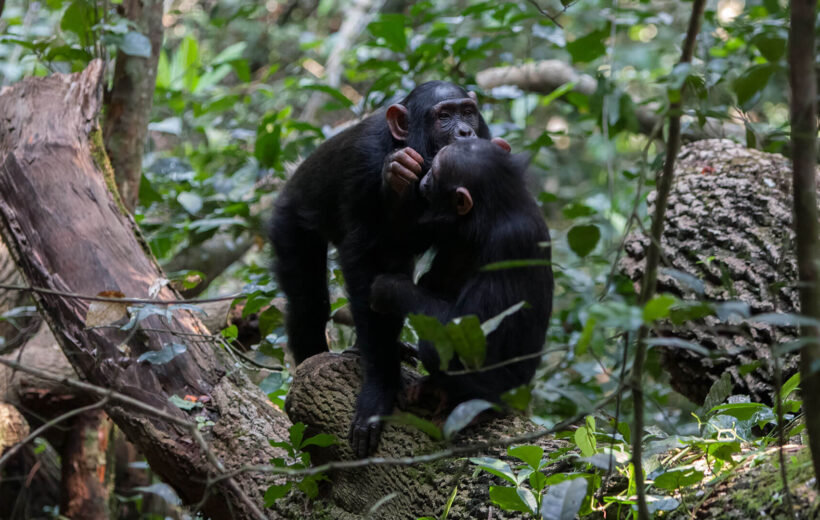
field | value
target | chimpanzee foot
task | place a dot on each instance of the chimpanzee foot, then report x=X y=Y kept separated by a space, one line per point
x=374 y=400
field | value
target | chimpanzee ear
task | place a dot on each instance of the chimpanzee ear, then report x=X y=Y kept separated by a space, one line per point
x=397 y=121
x=464 y=202
x=472 y=95
x=502 y=143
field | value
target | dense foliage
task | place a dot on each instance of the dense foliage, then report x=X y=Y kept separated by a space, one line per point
x=238 y=84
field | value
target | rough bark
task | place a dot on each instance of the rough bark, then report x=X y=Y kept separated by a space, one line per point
x=84 y=470
x=547 y=75
x=67 y=232
x=132 y=95
x=16 y=330
x=323 y=397
x=730 y=226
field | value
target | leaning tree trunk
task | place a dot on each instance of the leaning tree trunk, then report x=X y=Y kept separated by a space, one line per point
x=729 y=224
x=68 y=233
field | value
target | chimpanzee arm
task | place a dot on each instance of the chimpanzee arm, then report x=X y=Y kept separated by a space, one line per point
x=398 y=295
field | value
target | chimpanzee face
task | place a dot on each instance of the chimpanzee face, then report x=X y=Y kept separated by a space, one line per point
x=454 y=119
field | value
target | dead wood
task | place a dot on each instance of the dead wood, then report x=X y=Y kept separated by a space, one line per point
x=68 y=233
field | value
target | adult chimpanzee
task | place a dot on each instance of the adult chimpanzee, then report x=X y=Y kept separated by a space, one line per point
x=352 y=192
x=482 y=214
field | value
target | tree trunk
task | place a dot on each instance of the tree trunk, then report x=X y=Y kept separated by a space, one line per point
x=132 y=95
x=323 y=397
x=730 y=226
x=68 y=233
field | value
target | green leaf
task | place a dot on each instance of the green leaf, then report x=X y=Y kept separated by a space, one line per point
x=771 y=43
x=162 y=356
x=78 y=19
x=183 y=404
x=531 y=455
x=272 y=383
x=136 y=44
x=322 y=440
x=430 y=329
x=417 y=422
x=163 y=71
x=790 y=386
x=658 y=307
x=332 y=92
x=490 y=325
x=496 y=467
x=720 y=390
x=678 y=478
x=528 y=498
x=518 y=398
x=297 y=432
x=191 y=201
x=563 y=501
x=468 y=340
x=463 y=414
x=585 y=441
x=275 y=492
x=672 y=342
x=507 y=499
x=751 y=81
x=741 y=411
x=583 y=239
x=230 y=53
x=589 y=47
x=586 y=337
x=391 y=28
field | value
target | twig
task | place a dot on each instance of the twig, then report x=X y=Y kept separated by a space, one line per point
x=553 y=17
x=650 y=275
x=456 y=451
x=146 y=301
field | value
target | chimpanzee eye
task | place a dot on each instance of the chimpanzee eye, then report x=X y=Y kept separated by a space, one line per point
x=443 y=115
x=468 y=112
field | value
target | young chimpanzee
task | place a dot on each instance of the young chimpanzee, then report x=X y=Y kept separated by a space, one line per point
x=357 y=191
x=482 y=214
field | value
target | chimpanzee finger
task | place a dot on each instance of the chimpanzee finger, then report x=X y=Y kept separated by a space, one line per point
x=502 y=143
x=398 y=183
x=405 y=159
x=414 y=155
x=374 y=433
x=400 y=170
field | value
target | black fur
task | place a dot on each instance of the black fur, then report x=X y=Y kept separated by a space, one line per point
x=339 y=195
x=504 y=223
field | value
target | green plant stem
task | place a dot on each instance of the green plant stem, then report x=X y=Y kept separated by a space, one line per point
x=650 y=275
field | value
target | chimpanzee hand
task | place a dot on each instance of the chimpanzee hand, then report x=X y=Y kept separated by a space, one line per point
x=387 y=291
x=402 y=168
x=375 y=399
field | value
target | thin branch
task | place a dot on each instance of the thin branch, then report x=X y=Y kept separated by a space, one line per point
x=456 y=451
x=553 y=17
x=650 y=275
x=143 y=301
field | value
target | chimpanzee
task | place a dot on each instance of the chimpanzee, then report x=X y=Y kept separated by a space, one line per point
x=482 y=214
x=357 y=191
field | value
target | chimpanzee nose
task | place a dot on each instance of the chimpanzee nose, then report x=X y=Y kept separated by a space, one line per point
x=465 y=132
